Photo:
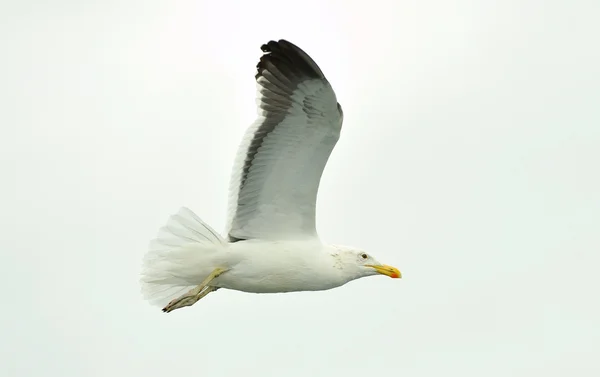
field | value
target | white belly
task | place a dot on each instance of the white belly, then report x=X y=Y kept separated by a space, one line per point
x=279 y=267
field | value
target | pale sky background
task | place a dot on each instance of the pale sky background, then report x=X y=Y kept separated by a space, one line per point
x=469 y=158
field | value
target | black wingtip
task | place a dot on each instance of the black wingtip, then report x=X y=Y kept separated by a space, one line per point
x=286 y=56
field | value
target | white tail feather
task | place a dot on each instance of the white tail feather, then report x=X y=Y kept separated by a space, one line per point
x=181 y=256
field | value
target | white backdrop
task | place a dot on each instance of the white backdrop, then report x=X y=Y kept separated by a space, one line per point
x=468 y=159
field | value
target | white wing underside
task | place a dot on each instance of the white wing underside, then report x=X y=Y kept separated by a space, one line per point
x=280 y=161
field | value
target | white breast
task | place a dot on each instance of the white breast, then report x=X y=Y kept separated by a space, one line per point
x=277 y=266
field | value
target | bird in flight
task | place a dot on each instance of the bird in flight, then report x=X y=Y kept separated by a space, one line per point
x=271 y=244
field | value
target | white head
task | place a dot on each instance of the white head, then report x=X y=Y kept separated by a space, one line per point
x=357 y=263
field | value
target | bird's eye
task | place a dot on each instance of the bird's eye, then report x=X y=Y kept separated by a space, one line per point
x=364 y=256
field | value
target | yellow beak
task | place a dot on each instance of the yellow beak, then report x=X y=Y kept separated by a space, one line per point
x=387 y=270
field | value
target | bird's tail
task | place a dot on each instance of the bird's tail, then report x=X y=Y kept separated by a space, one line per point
x=183 y=254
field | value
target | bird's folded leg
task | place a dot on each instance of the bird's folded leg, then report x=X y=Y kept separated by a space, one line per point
x=194 y=295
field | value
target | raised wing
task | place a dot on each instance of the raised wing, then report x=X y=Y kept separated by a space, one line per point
x=281 y=159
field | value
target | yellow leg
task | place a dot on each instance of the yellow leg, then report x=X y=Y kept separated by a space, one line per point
x=194 y=295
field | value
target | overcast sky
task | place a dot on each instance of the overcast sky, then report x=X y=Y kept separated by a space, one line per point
x=469 y=159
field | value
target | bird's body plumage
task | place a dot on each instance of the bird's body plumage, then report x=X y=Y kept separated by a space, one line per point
x=271 y=243
x=305 y=265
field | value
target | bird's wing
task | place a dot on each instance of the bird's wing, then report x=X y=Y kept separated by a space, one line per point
x=281 y=159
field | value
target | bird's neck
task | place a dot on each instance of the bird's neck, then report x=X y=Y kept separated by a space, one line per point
x=344 y=263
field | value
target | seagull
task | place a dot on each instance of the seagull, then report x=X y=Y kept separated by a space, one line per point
x=270 y=244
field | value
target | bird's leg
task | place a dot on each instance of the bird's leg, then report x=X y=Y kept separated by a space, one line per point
x=194 y=295
x=187 y=299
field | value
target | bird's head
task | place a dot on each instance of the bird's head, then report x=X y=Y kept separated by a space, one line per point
x=360 y=263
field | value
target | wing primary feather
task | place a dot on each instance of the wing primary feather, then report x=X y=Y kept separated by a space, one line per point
x=298 y=107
